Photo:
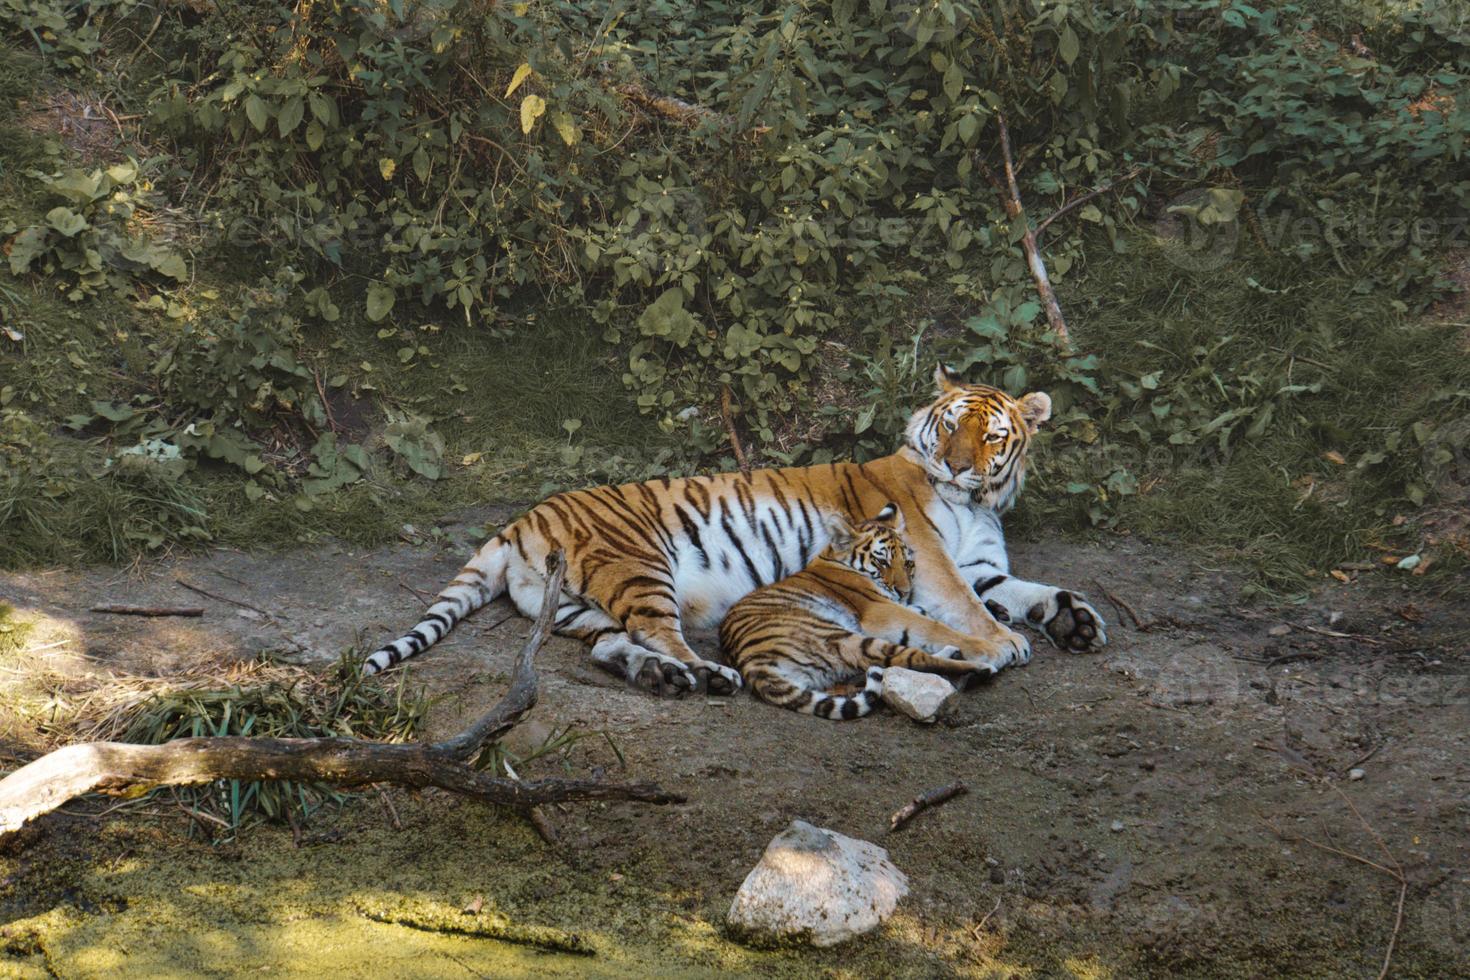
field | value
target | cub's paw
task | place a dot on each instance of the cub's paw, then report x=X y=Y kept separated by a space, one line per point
x=716 y=679
x=664 y=677
x=1019 y=646
x=1070 y=623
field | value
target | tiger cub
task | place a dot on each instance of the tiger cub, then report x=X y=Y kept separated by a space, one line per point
x=845 y=616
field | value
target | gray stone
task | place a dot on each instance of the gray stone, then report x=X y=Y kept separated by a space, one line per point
x=919 y=695
x=817 y=885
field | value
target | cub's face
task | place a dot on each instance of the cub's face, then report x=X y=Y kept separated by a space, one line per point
x=877 y=548
x=972 y=439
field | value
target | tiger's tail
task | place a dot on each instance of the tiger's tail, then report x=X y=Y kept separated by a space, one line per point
x=480 y=581
x=838 y=707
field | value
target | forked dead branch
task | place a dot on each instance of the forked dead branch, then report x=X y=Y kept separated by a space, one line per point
x=120 y=769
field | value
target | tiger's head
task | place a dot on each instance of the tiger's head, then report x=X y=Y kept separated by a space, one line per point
x=972 y=439
x=875 y=547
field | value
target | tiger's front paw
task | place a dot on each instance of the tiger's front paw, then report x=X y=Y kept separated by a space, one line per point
x=716 y=679
x=1070 y=622
x=1022 y=647
x=663 y=677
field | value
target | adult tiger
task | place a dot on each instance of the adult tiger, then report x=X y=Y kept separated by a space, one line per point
x=644 y=559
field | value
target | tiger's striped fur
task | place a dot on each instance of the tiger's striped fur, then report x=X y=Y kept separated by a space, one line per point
x=646 y=559
x=844 y=616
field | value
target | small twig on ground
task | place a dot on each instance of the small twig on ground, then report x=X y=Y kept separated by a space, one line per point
x=1122 y=607
x=427 y=598
x=727 y=415
x=326 y=405
x=1393 y=868
x=537 y=816
x=925 y=801
x=220 y=598
x=1287 y=658
x=388 y=805
x=1364 y=758
x=975 y=930
x=1343 y=636
x=125 y=610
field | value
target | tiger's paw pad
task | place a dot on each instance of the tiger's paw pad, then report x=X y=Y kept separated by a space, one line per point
x=664 y=678
x=1075 y=625
x=716 y=679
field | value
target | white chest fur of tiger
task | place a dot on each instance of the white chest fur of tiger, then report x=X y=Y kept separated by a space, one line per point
x=646 y=559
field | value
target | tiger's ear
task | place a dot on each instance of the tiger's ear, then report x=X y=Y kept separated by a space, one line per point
x=890 y=515
x=945 y=380
x=1035 y=409
x=840 y=535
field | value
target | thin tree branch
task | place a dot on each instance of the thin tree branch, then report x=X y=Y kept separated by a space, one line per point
x=1084 y=198
x=1017 y=212
x=521 y=697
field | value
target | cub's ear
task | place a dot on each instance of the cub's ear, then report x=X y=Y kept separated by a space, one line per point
x=890 y=515
x=839 y=533
x=1035 y=409
x=945 y=380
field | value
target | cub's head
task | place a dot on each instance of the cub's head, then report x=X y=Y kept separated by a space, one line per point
x=972 y=439
x=875 y=547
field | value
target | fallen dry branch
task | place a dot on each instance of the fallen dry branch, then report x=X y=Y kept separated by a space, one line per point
x=117 y=609
x=925 y=801
x=121 y=769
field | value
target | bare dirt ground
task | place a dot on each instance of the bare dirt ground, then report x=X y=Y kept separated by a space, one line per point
x=1140 y=812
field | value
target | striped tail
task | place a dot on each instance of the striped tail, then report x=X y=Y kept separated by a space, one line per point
x=478 y=582
x=838 y=707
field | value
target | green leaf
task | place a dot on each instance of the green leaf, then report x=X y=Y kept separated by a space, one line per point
x=380 y=300
x=1068 y=46
x=256 y=112
x=26 y=247
x=290 y=117
x=66 y=221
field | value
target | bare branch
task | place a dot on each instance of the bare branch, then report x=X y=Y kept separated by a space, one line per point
x=1017 y=212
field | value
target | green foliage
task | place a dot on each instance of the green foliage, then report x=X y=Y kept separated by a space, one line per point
x=269 y=701
x=90 y=239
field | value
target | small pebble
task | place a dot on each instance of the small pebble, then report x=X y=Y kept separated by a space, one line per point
x=1356 y=774
x=1280 y=630
x=1117 y=826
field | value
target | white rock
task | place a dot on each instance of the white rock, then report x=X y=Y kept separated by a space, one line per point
x=818 y=885
x=1356 y=774
x=915 y=693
